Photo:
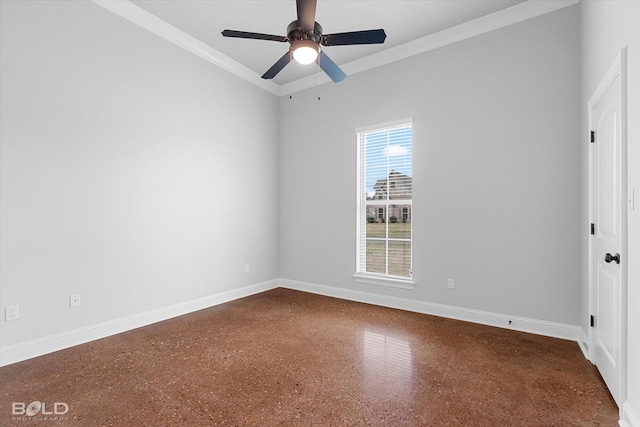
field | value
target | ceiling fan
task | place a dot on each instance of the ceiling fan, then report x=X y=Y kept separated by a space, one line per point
x=305 y=37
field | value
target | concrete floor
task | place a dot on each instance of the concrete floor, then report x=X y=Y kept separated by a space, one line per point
x=285 y=357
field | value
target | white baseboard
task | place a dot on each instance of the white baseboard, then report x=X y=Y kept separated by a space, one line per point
x=629 y=417
x=534 y=326
x=37 y=347
x=583 y=342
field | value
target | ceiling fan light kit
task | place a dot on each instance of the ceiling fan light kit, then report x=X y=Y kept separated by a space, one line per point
x=305 y=37
x=305 y=51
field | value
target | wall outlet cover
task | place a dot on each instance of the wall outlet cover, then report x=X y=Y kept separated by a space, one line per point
x=11 y=312
x=74 y=301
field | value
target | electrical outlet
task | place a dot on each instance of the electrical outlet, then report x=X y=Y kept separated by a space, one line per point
x=74 y=301
x=450 y=283
x=11 y=313
x=246 y=268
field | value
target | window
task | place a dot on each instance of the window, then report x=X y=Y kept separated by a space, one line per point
x=384 y=237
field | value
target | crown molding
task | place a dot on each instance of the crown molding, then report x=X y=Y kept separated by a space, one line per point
x=512 y=15
x=152 y=23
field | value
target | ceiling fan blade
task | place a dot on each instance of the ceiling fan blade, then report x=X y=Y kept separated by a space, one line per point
x=255 y=36
x=330 y=67
x=278 y=66
x=306 y=14
x=354 y=37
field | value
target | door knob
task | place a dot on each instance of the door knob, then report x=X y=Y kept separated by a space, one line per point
x=609 y=258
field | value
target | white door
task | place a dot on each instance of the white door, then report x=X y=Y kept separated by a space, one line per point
x=607 y=263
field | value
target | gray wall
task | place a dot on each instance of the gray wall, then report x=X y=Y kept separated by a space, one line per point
x=133 y=172
x=140 y=176
x=496 y=171
x=130 y=175
x=606 y=28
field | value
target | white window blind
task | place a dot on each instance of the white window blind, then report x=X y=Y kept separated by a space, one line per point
x=385 y=175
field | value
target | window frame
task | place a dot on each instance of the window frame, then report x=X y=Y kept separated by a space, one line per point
x=361 y=213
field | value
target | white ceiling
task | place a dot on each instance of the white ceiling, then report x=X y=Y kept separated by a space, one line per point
x=402 y=20
x=412 y=27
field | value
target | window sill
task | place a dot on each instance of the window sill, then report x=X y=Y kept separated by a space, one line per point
x=384 y=281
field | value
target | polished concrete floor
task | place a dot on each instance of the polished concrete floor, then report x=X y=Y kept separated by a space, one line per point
x=291 y=358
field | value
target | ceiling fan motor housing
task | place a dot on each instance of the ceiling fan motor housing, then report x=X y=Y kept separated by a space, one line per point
x=295 y=33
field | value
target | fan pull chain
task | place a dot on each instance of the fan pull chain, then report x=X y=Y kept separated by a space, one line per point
x=318 y=76
x=290 y=75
